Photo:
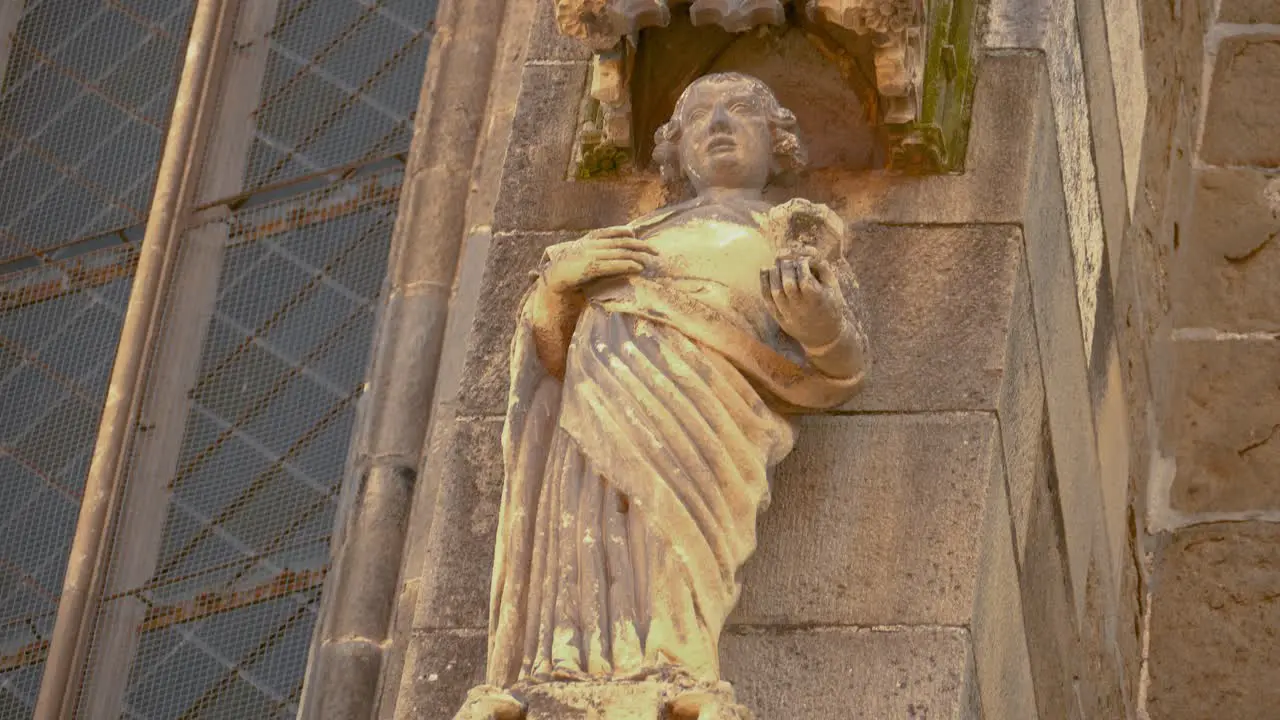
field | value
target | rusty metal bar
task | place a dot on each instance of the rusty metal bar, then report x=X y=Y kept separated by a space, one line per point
x=210 y=36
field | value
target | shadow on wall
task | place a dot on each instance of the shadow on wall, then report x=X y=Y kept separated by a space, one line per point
x=827 y=82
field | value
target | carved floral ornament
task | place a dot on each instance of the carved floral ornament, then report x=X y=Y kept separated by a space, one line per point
x=922 y=67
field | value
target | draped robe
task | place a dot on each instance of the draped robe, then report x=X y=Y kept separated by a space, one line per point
x=632 y=485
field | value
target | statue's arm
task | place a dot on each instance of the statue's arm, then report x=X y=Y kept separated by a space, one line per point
x=558 y=297
x=805 y=297
x=844 y=357
x=552 y=316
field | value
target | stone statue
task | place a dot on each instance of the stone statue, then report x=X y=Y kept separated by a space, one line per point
x=655 y=370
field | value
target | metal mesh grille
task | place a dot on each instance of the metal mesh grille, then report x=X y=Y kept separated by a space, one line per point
x=224 y=622
x=218 y=624
x=84 y=102
x=86 y=96
x=341 y=85
x=59 y=325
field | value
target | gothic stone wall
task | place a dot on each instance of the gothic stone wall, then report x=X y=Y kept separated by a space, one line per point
x=1197 y=292
x=933 y=547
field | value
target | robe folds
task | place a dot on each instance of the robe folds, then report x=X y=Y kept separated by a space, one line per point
x=633 y=485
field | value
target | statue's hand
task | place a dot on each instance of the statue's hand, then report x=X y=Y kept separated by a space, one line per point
x=803 y=295
x=599 y=254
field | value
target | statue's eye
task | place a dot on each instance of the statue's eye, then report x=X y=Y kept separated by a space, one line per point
x=741 y=107
x=698 y=115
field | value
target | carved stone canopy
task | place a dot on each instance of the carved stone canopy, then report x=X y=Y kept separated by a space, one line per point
x=920 y=53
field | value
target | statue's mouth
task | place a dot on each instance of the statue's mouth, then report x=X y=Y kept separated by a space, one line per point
x=721 y=143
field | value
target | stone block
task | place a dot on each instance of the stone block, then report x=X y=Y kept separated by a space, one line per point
x=1047 y=605
x=408 y=322
x=938 y=305
x=485 y=377
x=896 y=520
x=1226 y=426
x=1062 y=357
x=591 y=701
x=1214 y=619
x=349 y=677
x=1011 y=109
x=1112 y=422
x=1240 y=125
x=365 y=594
x=1249 y=12
x=1021 y=409
x=459 y=553
x=1227 y=257
x=1107 y=121
x=442 y=665
x=937 y=309
x=547 y=44
x=999 y=637
x=875 y=520
x=535 y=191
x=852 y=673
x=393 y=661
x=1102 y=688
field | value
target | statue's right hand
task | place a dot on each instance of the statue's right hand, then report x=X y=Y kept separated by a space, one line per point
x=604 y=253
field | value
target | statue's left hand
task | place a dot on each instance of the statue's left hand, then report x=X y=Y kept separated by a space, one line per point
x=803 y=295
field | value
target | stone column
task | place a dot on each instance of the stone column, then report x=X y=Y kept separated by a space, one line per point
x=353 y=652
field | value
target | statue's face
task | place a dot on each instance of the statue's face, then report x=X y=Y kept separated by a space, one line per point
x=725 y=139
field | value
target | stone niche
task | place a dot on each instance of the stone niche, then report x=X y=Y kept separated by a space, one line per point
x=874 y=83
x=912 y=563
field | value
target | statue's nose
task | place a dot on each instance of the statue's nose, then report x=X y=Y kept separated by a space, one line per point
x=719 y=118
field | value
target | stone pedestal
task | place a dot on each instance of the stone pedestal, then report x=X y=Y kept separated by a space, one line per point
x=653 y=699
x=595 y=701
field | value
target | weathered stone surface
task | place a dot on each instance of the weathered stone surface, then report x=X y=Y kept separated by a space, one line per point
x=896 y=520
x=1106 y=119
x=999 y=639
x=350 y=671
x=408 y=321
x=1249 y=12
x=535 y=192
x=937 y=309
x=455 y=588
x=1021 y=410
x=546 y=42
x=442 y=665
x=1226 y=426
x=1214 y=623
x=1011 y=111
x=394 y=656
x=875 y=520
x=1102 y=690
x=1228 y=257
x=1054 y=27
x=484 y=380
x=938 y=303
x=590 y=701
x=1058 y=329
x=1047 y=604
x=853 y=673
x=1112 y=422
x=1240 y=125
x=369 y=582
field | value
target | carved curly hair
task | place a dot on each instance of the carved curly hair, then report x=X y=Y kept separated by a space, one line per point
x=788 y=152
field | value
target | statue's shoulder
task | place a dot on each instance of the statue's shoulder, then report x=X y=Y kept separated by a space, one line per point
x=800 y=222
x=663 y=215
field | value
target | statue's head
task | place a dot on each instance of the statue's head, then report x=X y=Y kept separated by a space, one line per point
x=727 y=131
